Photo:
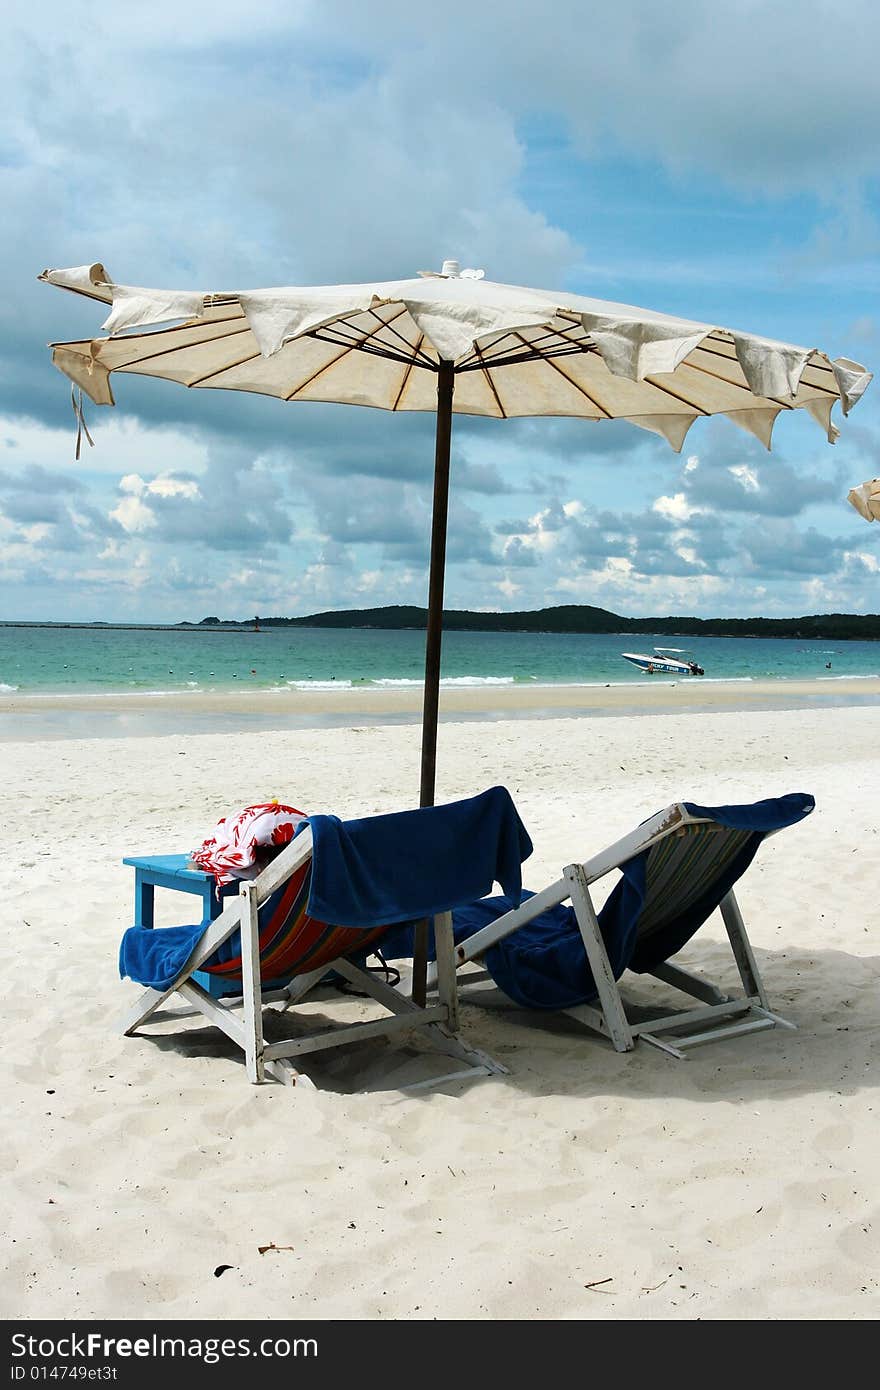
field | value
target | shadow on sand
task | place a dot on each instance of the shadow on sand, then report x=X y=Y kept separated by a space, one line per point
x=833 y=997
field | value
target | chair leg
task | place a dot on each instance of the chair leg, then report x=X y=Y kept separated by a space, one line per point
x=300 y=986
x=420 y=963
x=447 y=984
x=147 y=1004
x=436 y=1033
x=742 y=950
x=252 y=984
x=609 y=995
x=283 y=1070
x=688 y=983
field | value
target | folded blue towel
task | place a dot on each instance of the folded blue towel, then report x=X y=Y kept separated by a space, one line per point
x=412 y=864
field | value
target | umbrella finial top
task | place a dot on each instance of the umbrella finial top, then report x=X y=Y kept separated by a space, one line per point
x=451 y=270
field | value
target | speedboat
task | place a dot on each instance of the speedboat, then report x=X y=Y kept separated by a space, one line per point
x=664 y=662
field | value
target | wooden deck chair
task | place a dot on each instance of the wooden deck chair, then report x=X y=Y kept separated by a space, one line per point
x=687 y=864
x=280 y=941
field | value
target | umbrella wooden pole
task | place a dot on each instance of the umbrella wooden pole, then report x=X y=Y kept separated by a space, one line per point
x=434 y=636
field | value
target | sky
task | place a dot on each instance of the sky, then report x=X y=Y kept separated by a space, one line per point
x=715 y=162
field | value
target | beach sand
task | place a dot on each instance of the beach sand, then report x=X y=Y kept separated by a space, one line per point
x=738 y=1184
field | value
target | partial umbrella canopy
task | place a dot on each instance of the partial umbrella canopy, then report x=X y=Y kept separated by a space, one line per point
x=866 y=499
x=454 y=342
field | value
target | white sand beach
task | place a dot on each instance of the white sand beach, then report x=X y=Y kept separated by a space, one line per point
x=738 y=1184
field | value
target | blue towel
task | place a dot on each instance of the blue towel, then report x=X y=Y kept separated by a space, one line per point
x=412 y=864
x=393 y=868
x=543 y=965
x=761 y=816
x=155 y=957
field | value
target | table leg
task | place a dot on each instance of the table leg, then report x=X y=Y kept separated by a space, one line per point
x=143 y=901
x=212 y=906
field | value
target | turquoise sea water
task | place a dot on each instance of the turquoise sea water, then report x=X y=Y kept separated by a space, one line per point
x=104 y=661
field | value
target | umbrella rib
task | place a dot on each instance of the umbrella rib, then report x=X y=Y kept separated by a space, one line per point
x=676 y=395
x=469 y=357
x=469 y=362
x=353 y=345
x=550 y=333
x=168 y=351
x=514 y=358
x=322 y=335
x=389 y=323
x=774 y=400
x=195 y=323
x=346 y=322
x=717 y=376
x=732 y=357
x=577 y=386
x=368 y=348
x=227 y=367
x=488 y=375
x=320 y=371
x=335 y=332
x=532 y=346
x=566 y=333
x=408 y=372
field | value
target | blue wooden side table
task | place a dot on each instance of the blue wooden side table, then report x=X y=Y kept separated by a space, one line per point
x=170 y=871
x=176 y=872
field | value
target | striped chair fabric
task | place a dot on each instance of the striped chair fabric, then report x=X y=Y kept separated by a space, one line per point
x=291 y=942
x=682 y=867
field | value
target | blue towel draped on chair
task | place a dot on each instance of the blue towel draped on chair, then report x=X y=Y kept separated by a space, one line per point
x=381 y=869
x=543 y=965
x=413 y=864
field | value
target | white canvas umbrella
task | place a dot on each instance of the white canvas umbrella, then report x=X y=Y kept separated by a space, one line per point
x=453 y=342
x=866 y=499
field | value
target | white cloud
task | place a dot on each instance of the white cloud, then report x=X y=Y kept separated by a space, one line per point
x=508 y=588
x=240 y=579
x=690 y=555
x=866 y=558
x=675 y=508
x=166 y=486
x=746 y=477
x=134 y=515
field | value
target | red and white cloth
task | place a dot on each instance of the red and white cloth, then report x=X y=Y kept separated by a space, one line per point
x=241 y=844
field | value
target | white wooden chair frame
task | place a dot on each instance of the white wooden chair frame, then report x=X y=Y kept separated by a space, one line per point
x=241 y=1019
x=721 y=1015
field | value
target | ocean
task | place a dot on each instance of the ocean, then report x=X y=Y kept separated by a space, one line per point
x=102 y=661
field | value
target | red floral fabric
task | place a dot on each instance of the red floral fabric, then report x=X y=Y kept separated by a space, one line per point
x=242 y=844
